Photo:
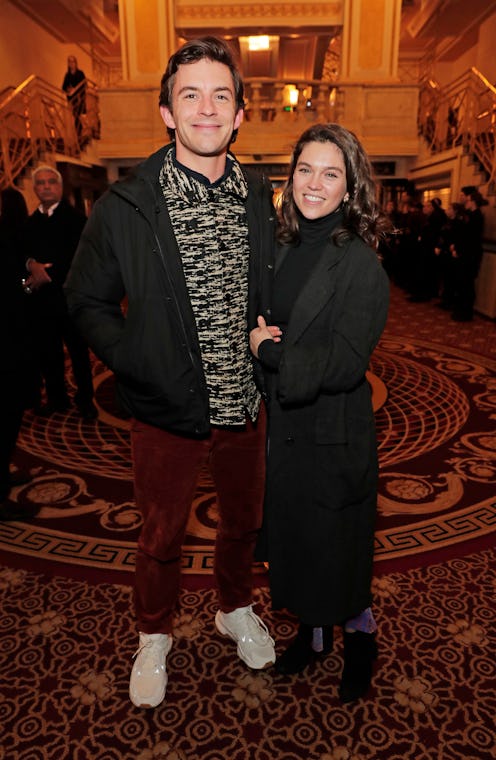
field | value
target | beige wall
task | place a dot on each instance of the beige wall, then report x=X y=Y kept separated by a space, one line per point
x=485 y=58
x=26 y=48
x=481 y=55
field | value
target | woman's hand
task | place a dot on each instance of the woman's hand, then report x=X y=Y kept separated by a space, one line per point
x=263 y=332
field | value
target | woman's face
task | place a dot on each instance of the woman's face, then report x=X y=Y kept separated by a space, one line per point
x=319 y=180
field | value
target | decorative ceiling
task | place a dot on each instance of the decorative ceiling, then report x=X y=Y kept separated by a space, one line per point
x=303 y=32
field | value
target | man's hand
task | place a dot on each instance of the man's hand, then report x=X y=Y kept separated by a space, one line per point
x=263 y=332
x=38 y=275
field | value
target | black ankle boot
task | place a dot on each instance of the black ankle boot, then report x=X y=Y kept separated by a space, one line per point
x=300 y=652
x=360 y=651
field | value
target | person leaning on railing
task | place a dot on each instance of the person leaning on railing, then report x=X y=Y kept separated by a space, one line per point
x=74 y=85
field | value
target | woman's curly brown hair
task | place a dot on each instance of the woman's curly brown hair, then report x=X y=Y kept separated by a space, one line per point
x=362 y=214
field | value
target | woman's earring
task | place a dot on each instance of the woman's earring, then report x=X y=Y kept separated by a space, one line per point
x=346 y=198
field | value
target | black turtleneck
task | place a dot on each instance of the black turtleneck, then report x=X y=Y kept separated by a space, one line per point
x=299 y=262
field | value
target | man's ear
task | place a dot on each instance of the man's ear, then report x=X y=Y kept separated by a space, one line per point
x=167 y=116
x=238 y=119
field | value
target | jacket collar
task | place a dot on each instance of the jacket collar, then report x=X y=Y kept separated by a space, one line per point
x=142 y=188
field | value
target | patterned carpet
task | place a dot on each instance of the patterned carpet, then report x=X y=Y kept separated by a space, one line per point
x=65 y=656
x=66 y=629
x=434 y=385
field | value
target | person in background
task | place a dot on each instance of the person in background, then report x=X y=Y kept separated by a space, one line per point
x=17 y=375
x=413 y=220
x=390 y=246
x=74 y=86
x=53 y=232
x=451 y=237
x=425 y=273
x=330 y=304
x=467 y=256
x=188 y=240
x=465 y=193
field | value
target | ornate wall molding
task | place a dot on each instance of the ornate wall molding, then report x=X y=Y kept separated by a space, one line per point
x=281 y=14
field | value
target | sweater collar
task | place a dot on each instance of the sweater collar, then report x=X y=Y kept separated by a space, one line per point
x=194 y=187
x=318 y=230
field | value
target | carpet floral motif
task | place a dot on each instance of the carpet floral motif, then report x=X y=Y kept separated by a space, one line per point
x=66 y=651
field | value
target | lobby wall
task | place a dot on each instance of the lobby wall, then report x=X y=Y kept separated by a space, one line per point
x=26 y=48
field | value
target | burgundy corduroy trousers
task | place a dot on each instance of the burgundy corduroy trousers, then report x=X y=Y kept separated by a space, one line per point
x=166 y=468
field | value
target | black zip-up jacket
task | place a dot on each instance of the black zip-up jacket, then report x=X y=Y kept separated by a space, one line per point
x=128 y=252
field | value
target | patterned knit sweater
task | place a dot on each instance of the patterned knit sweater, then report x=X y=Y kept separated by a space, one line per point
x=210 y=226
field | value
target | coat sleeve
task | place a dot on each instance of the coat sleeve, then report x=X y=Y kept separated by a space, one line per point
x=333 y=354
x=94 y=287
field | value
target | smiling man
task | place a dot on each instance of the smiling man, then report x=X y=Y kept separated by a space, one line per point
x=188 y=239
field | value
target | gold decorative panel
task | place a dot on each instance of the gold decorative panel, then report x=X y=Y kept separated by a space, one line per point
x=197 y=15
x=371 y=44
x=146 y=26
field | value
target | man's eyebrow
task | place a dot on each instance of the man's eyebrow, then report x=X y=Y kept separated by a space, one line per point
x=195 y=88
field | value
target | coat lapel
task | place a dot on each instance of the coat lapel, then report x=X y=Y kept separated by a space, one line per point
x=316 y=292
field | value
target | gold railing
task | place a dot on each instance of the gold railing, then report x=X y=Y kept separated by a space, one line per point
x=461 y=114
x=36 y=118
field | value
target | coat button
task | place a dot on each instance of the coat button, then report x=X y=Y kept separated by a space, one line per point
x=290 y=440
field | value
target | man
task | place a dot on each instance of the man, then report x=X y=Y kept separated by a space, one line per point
x=467 y=255
x=188 y=240
x=53 y=233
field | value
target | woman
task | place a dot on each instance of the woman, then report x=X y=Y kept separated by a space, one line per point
x=329 y=304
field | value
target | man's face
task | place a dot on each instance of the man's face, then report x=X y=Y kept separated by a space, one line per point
x=47 y=187
x=203 y=111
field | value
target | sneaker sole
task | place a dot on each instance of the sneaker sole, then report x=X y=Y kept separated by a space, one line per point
x=147 y=705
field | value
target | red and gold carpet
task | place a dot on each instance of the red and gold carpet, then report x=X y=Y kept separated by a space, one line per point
x=434 y=386
x=65 y=657
x=67 y=634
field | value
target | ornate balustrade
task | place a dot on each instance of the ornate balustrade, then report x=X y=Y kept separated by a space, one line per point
x=277 y=111
x=36 y=119
x=461 y=114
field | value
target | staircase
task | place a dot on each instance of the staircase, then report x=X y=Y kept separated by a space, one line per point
x=37 y=121
x=462 y=115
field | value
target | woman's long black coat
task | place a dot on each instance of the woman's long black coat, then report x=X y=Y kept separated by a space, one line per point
x=318 y=530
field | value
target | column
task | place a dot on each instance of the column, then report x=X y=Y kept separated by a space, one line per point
x=371 y=34
x=148 y=39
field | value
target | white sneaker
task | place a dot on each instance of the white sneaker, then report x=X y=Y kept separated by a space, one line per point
x=149 y=676
x=255 y=646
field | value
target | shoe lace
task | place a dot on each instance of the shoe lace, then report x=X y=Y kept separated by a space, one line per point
x=150 y=653
x=257 y=626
